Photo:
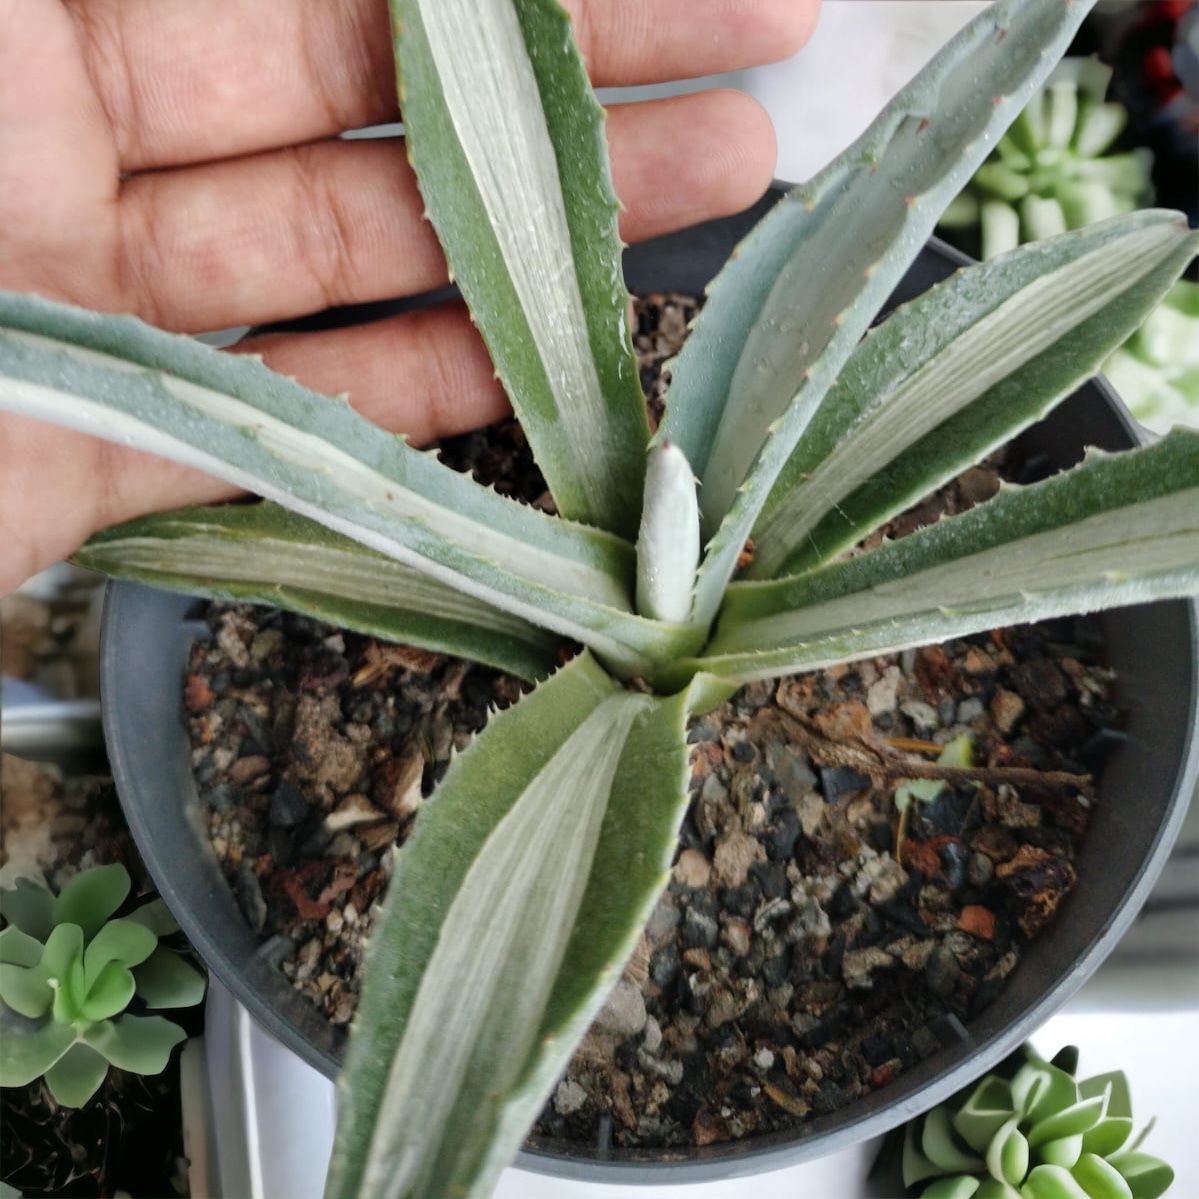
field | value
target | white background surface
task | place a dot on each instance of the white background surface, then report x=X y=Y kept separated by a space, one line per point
x=273 y=1115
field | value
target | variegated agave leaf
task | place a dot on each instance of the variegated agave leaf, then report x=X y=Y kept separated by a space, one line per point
x=228 y=415
x=508 y=144
x=264 y=554
x=786 y=313
x=1119 y=529
x=959 y=371
x=512 y=909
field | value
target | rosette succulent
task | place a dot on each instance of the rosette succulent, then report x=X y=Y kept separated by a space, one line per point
x=68 y=976
x=1030 y=1131
x=1053 y=169
x=524 y=884
x=1156 y=371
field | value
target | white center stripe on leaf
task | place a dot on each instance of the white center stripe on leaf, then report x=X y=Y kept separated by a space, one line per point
x=342 y=473
x=381 y=581
x=485 y=988
x=479 y=52
x=1156 y=536
x=1028 y=323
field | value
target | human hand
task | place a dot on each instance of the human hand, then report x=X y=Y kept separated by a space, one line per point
x=181 y=161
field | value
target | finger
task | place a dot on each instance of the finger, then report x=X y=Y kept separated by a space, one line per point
x=425 y=374
x=58 y=167
x=295 y=231
x=183 y=82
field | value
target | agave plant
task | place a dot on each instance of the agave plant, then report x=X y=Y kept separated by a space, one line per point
x=1053 y=170
x=522 y=889
x=1030 y=1131
x=67 y=975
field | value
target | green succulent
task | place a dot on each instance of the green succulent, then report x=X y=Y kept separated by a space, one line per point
x=67 y=975
x=1156 y=371
x=958 y=752
x=528 y=876
x=1052 y=171
x=1030 y=1131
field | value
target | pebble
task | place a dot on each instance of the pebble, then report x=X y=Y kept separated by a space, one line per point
x=308 y=958
x=664 y=965
x=288 y=806
x=881 y=878
x=858 y=965
x=877 y=1049
x=1006 y=709
x=742 y=901
x=979 y=870
x=246 y=770
x=265 y=642
x=978 y=921
x=883 y=694
x=925 y=1042
x=231 y=643
x=775 y=970
x=735 y=853
x=651 y=1037
x=970 y=710
x=1040 y=683
x=811 y=924
x=941 y=971
x=722 y=1008
x=569 y=1097
x=219 y=798
x=841 y=780
x=811 y=811
x=699 y=921
x=792 y=770
x=692 y=869
x=779 y=837
x=663 y=921
x=772 y=879
x=624 y=1013
x=744 y=752
x=954 y=857
x=249 y=894
x=922 y=715
x=353 y=810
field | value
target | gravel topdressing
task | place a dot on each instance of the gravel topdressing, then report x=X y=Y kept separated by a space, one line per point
x=812 y=945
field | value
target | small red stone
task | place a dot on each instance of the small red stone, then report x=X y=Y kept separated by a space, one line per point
x=881 y=1075
x=197 y=695
x=978 y=921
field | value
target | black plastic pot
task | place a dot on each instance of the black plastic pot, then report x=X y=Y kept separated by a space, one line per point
x=1145 y=787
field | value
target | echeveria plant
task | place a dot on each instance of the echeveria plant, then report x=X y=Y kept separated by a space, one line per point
x=523 y=887
x=67 y=975
x=1053 y=170
x=1030 y=1131
x=1156 y=371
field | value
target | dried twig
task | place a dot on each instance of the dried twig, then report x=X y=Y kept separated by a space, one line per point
x=882 y=762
